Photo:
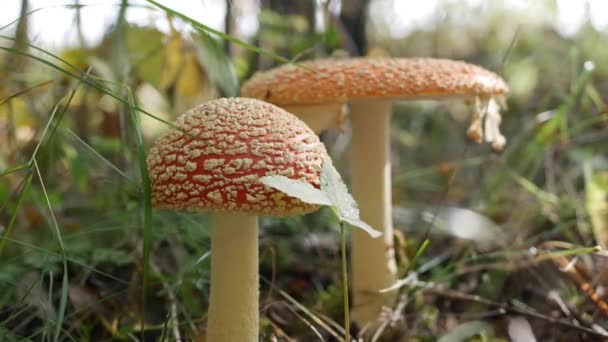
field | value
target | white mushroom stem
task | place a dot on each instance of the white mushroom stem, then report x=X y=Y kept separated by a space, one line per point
x=319 y=117
x=234 y=299
x=373 y=260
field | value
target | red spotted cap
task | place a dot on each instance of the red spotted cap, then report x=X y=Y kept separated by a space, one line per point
x=331 y=81
x=339 y=80
x=221 y=148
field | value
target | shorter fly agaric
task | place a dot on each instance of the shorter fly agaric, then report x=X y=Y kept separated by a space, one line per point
x=213 y=161
x=316 y=90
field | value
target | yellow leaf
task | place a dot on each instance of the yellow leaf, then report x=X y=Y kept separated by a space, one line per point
x=597 y=206
x=173 y=61
x=189 y=82
x=146 y=53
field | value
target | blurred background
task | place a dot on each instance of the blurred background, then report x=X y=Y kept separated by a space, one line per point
x=389 y=18
x=512 y=236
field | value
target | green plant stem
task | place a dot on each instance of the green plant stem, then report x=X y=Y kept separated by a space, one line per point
x=147 y=204
x=345 y=284
x=8 y=230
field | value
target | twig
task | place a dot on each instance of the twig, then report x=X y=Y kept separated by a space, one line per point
x=565 y=266
x=280 y=332
x=303 y=319
x=505 y=308
x=303 y=308
x=173 y=314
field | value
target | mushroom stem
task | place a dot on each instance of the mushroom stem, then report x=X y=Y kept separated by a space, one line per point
x=319 y=117
x=234 y=298
x=373 y=260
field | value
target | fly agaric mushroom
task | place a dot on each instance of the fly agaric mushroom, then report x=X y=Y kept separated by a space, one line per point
x=316 y=89
x=212 y=162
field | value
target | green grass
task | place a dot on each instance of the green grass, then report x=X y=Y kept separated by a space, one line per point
x=83 y=258
x=147 y=200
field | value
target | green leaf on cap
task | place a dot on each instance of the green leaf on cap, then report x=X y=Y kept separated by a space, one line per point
x=333 y=193
x=348 y=211
x=303 y=191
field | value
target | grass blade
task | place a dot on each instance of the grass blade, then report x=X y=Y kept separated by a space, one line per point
x=419 y=251
x=7 y=232
x=89 y=81
x=147 y=214
x=23 y=91
x=305 y=310
x=345 y=282
x=71 y=260
x=65 y=281
x=14 y=169
x=106 y=161
x=232 y=39
x=19 y=18
x=46 y=128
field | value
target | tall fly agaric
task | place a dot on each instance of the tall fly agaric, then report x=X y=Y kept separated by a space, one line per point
x=316 y=90
x=213 y=162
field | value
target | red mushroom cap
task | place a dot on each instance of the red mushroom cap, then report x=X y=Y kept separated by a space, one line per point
x=331 y=81
x=223 y=148
x=340 y=80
